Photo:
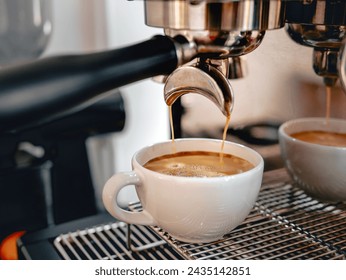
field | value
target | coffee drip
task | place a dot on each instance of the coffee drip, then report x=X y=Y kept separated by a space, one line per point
x=224 y=135
x=328 y=102
x=326 y=136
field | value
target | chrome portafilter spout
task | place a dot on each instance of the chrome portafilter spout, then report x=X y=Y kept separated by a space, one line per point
x=200 y=78
x=320 y=24
x=219 y=31
x=237 y=68
x=325 y=65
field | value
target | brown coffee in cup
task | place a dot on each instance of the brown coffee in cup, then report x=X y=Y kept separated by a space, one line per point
x=198 y=164
x=326 y=138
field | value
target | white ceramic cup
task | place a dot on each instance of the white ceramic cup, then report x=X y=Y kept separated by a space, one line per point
x=317 y=169
x=191 y=209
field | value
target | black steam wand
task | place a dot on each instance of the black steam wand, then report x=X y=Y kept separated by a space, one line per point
x=52 y=87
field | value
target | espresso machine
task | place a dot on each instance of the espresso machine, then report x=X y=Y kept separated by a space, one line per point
x=201 y=52
x=207 y=35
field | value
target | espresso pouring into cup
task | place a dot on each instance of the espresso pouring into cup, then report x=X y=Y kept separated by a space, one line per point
x=205 y=79
x=183 y=187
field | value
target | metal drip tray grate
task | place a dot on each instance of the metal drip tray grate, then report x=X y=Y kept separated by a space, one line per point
x=109 y=242
x=284 y=224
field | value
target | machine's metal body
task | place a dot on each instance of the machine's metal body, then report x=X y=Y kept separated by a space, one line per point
x=218 y=32
x=322 y=26
x=218 y=28
x=226 y=29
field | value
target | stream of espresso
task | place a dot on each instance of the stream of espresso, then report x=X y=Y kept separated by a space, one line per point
x=172 y=128
x=327 y=138
x=328 y=102
x=224 y=135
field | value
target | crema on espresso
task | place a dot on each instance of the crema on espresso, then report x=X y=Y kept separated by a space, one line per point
x=198 y=164
x=326 y=138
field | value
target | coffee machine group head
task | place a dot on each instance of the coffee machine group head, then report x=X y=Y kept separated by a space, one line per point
x=218 y=32
x=215 y=34
x=320 y=24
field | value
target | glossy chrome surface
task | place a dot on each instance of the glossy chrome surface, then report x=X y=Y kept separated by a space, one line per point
x=319 y=24
x=231 y=28
x=218 y=32
x=218 y=28
x=219 y=43
x=201 y=78
x=317 y=36
x=237 y=67
x=214 y=15
x=325 y=64
x=316 y=12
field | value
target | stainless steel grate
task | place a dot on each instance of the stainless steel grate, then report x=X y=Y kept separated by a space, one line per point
x=284 y=224
x=109 y=242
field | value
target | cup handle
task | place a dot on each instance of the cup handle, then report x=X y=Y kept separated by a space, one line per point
x=109 y=197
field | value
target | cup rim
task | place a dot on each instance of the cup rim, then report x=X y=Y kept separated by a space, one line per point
x=284 y=125
x=255 y=169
